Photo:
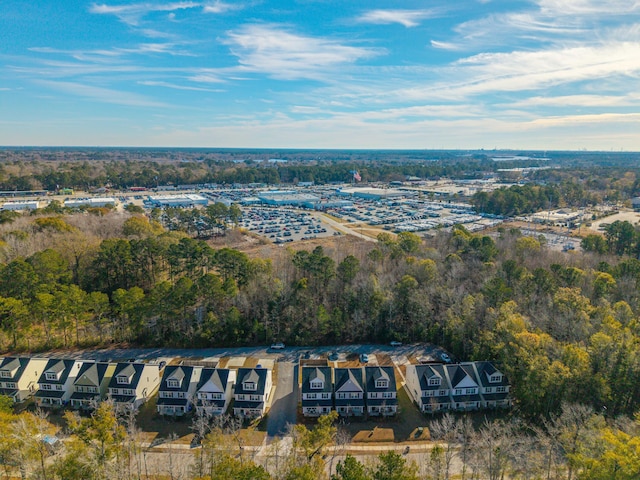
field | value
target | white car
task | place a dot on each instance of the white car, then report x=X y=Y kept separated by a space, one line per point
x=277 y=346
x=445 y=357
x=395 y=343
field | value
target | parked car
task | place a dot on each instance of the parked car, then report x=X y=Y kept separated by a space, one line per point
x=445 y=357
x=333 y=356
x=395 y=343
x=364 y=358
x=277 y=346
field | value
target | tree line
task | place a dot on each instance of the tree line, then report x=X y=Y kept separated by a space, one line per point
x=577 y=443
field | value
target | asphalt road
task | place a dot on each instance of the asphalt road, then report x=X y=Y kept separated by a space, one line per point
x=285 y=403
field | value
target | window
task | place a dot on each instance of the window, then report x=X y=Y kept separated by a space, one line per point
x=122 y=380
x=51 y=376
x=173 y=383
x=59 y=388
x=428 y=393
x=326 y=396
x=388 y=395
x=46 y=386
x=434 y=381
x=340 y=395
x=250 y=386
x=495 y=378
x=501 y=389
x=127 y=391
x=317 y=385
x=354 y=395
x=442 y=393
x=240 y=397
x=11 y=385
x=5 y=374
x=255 y=398
x=458 y=391
x=470 y=391
x=488 y=390
x=382 y=384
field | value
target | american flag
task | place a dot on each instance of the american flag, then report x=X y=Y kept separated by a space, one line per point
x=357 y=176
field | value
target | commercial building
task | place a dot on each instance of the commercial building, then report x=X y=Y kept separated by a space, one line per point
x=90 y=202
x=26 y=205
x=185 y=200
x=371 y=193
x=287 y=197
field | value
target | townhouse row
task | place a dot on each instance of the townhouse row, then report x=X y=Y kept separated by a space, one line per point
x=464 y=386
x=82 y=384
x=350 y=391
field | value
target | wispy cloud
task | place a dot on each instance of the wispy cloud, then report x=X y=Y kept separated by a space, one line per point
x=100 y=94
x=273 y=50
x=407 y=18
x=153 y=83
x=132 y=13
x=220 y=7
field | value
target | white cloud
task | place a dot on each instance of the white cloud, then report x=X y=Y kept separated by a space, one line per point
x=584 y=101
x=272 y=50
x=220 y=7
x=153 y=83
x=132 y=13
x=588 y=7
x=100 y=94
x=408 y=18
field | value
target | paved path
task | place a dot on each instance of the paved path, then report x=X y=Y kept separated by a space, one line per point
x=345 y=228
x=284 y=406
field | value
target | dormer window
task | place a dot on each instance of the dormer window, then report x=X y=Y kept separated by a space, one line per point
x=250 y=386
x=122 y=380
x=173 y=383
x=52 y=376
x=382 y=383
x=495 y=378
x=5 y=374
x=317 y=385
x=435 y=381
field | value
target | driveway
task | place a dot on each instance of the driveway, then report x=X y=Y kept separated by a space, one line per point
x=285 y=403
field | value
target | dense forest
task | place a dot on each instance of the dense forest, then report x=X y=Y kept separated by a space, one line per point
x=563 y=327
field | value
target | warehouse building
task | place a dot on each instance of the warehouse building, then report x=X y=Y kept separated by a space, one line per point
x=371 y=193
x=287 y=197
x=90 y=202
x=186 y=200
x=27 y=205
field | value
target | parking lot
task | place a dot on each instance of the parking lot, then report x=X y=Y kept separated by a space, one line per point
x=282 y=225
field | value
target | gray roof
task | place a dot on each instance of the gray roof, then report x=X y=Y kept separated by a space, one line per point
x=457 y=373
x=179 y=373
x=312 y=373
x=217 y=376
x=427 y=372
x=17 y=364
x=59 y=367
x=348 y=380
x=91 y=374
x=373 y=374
x=129 y=370
x=254 y=375
x=485 y=370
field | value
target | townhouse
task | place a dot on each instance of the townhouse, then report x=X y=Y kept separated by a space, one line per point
x=349 y=392
x=56 y=382
x=177 y=389
x=91 y=384
x=316 y=391
x=429 y=386
x=461 y=387
x=494 y=386
x=214 y=390
x=380 y=386
x=133 y=384
x=252 y=392
x=19 y=377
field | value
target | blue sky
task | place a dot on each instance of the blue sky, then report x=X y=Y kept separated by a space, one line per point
x=431 y=74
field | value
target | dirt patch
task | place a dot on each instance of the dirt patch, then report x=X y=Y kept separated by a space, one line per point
x=631 y=217
x=377 y=434
x=384 y=360
x=250 y=362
